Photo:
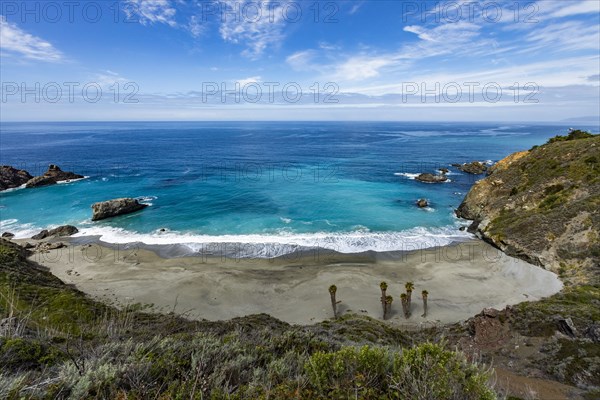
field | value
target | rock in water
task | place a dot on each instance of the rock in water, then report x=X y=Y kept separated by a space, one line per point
x=475 y=167
x=422 y=203
x=8 y=235
x=11 y=177
x=51 y=177
x=430 y=178
x=112 y=208
x=444 y=170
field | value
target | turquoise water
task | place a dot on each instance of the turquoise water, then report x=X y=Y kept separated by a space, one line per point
x=272 y=187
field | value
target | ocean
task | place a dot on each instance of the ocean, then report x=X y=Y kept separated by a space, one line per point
x=257 y=189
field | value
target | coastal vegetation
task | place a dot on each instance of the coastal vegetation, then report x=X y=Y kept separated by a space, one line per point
x=542 y=206
x=58 y=343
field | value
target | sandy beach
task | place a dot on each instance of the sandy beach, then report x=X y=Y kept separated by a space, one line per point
x=461 y=279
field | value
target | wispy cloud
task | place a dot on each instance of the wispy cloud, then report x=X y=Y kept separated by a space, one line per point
x=150 y=12
x=16 y=42
x=443 y=39
x=564 y=36
x=561 y=9
x=174 y=13
x=257 y=32
x=301 y=60
x=356 y=7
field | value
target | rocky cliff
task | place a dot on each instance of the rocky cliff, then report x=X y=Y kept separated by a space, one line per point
x=542 y=205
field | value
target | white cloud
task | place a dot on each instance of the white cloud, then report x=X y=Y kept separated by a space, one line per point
x=252 y=79
x=108 y=78
x=449 y=33
x=257 y=29
x=355 y=7
x=16 y=42
x=362 y=67
x=449 y=38
x=564 y=36
x=151 y=11
x=561 y=9
x=301 y=60
x=556 y=73
x=194 y=26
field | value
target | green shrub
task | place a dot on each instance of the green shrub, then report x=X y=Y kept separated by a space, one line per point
x=572 y=135
x=425 y=371
x=26 y=354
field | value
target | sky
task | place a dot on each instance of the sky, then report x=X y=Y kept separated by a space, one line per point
x=415 y=60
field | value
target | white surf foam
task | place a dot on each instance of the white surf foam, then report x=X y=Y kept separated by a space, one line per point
x=407 y=175
x=414 y=176
x=21 y=231
x=275 y=245
x=71 y=180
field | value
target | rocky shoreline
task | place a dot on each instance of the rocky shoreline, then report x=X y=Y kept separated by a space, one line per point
x=11 y=178
x=542 y=206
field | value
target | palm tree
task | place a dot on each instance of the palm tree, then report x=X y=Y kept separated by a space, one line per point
x=404 y=299
x=383 y=286
x=409 y=289
x=387 y=306
x=334 y=303
x=424 y=294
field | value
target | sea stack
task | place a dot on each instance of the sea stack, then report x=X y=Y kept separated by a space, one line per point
x=113 y=208
x=52 y=177
x=431 y=178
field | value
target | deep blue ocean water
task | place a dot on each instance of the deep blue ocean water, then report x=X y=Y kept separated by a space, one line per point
x=273 y=187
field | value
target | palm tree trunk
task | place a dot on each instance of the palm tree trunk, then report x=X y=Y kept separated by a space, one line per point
x=425 y=306
x=333 y=304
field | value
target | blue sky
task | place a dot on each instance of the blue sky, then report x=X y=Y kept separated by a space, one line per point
x=460 y=60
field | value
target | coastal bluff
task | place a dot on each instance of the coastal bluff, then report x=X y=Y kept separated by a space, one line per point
x=542 y=206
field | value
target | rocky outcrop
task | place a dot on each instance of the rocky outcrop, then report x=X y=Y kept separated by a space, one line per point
x=474 y=167
x=113 y=208
x=8 y=235
x=431 y=178
x=40 y=181
x=543 y=206
x=422 y=203
x=51 y=177
x=11 y=177
x=64 y=230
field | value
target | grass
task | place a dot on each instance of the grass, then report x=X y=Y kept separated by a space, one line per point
x=70 y=346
